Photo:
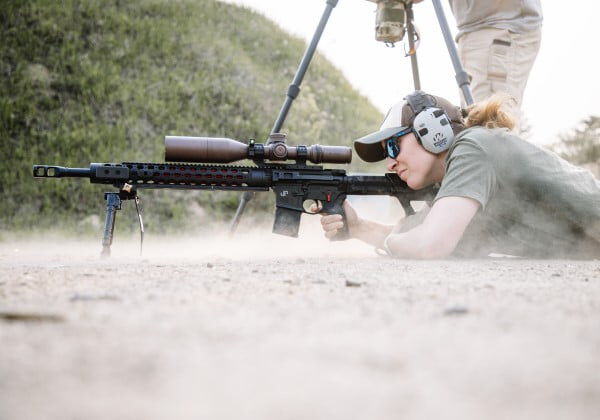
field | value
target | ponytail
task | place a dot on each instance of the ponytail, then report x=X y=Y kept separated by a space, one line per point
x=494 y=112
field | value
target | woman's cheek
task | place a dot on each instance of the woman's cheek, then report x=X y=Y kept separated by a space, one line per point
x=413 y=182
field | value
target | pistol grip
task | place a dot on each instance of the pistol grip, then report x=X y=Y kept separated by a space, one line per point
x=337 y=207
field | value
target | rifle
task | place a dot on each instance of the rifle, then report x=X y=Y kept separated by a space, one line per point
x=296 y=186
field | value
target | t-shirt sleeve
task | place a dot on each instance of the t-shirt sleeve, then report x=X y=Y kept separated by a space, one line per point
x=469 y=173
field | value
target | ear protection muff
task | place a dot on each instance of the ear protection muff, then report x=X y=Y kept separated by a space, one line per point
x=431 y=124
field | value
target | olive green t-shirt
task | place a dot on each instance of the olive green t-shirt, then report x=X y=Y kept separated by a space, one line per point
x=533 y=203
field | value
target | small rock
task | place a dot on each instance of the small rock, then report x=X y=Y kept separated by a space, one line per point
x=84 y=297
x=255 y=271
x=300 y=260
x=30 y=317
x=456 y=310
x=350 y=283
x=209 y=265
x=555 y=274
x=226 y=279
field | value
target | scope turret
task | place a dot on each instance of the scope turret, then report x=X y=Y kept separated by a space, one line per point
x=226 y=150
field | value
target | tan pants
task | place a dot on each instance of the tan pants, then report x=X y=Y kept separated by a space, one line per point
x=498 y=61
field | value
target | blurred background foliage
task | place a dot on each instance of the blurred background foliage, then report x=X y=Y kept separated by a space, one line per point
x=105 y=80
x=582 y=146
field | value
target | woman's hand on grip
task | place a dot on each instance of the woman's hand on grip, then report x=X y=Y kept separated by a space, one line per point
x=333 y=223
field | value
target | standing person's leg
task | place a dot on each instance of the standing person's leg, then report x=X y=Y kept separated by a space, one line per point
x=483 y=55
x=499 y=61
x=525 y=48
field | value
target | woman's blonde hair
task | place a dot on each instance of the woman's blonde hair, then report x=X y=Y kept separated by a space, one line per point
x=494 y=112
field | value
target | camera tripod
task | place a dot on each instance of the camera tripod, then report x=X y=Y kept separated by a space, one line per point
x=461 y=76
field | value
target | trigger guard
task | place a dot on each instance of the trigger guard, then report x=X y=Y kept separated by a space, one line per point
x=314 y=201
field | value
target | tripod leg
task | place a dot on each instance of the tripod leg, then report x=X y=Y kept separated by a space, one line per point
x=292 y=93
x=462 y=78
x=294 y=88
x=410 y=29
x=113 y=203
x=244 y=199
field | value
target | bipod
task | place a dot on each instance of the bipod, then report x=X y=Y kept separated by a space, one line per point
x=113 y=203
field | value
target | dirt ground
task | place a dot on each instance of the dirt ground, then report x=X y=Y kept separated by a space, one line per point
x=275 y=328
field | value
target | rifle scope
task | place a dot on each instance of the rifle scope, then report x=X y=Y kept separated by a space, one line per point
x=225 y=150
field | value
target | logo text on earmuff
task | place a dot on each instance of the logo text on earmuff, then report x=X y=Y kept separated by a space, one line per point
x=439 y=140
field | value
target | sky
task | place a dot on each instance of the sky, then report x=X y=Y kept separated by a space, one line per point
x=563 y=88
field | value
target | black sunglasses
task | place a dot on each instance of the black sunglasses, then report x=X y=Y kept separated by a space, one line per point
x=392 y=145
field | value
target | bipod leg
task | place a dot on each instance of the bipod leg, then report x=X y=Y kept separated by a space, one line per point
x=113 y=203
x=138 y=210
x=244 y=199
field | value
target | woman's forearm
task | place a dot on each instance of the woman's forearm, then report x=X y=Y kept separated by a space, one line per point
x=371 y=232
x=408 y=244
x=435 y=237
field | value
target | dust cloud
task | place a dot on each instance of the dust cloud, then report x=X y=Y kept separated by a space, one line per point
x=252 y=241
x=257 y=244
